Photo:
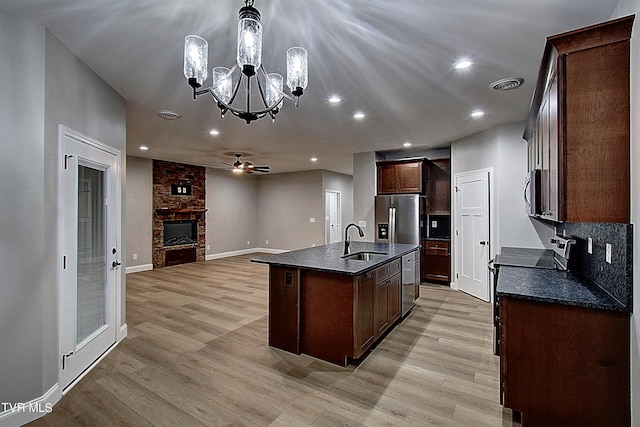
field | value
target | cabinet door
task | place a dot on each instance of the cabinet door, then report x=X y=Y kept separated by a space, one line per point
x=436 y=261
x=552 y=192
x=410 y=177
x=387 y=179
x=382 y=307
x=284 y=308
x=395 y=303
x=364 y=313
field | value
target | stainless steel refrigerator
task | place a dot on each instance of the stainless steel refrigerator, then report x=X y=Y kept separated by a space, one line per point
x=399 y=219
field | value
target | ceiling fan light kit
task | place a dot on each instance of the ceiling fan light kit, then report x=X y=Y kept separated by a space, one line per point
x=224 y=88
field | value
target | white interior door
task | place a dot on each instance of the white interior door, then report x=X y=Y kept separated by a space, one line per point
x=332 y=201
x=472 y=233
x=89 y=252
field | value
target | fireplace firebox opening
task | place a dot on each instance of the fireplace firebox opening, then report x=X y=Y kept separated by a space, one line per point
x=184 y=232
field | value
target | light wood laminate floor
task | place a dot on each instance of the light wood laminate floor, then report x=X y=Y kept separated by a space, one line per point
x=197 y=354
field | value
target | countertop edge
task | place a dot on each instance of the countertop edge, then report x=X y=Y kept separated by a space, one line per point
x=368 y=265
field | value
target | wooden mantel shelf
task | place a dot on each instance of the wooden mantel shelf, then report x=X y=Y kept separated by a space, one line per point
x=161 y=211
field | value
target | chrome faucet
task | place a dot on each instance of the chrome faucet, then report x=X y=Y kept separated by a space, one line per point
x=347 y=238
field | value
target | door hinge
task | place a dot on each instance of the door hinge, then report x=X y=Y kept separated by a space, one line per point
x=64 y=359
x=67 y=157
x=456 y=275
x=106 y=201
x=64 y=262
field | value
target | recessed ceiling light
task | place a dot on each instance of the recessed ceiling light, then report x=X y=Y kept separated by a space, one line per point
x=406 y=144
x=168 y=115
x=477 y=114
x=358 y=115
x=144 y=148
x=335 y=99
x=464 y=64
x=214 y=132
x=314 y=159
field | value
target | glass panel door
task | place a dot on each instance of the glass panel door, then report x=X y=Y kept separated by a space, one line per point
x=92 y=257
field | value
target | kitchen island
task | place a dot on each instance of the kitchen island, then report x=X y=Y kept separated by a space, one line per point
x=332 y=307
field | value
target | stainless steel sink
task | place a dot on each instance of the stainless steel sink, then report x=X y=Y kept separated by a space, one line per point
x=365 y=256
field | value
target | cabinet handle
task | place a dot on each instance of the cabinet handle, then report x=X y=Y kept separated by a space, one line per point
x=482 y=242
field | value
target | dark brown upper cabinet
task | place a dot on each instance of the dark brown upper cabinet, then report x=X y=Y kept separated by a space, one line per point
x=439 y=187
x=401 y=176
x=578 y=125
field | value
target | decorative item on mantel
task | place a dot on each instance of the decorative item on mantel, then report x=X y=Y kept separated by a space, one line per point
x=248 y=61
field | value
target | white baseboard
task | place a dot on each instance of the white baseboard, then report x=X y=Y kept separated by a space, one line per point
x=209 y=257
x=122 y=333
x=137 y=268
x=20 y=414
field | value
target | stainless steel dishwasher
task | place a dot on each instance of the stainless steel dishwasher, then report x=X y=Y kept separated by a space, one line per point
x=410 y=263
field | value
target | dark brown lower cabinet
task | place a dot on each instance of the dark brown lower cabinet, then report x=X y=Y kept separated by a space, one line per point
x=436 y=260
x=564 y=365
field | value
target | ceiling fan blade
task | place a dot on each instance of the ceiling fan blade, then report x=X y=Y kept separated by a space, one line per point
x=263 y=169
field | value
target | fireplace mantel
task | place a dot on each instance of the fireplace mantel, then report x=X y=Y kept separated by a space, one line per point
x=161 y=211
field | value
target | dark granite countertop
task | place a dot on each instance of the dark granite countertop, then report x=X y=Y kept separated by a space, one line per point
x=553 y=286
x=436 y=239
x=329 y=257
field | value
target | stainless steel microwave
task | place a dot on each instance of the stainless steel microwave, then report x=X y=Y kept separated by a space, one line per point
x=532 y=192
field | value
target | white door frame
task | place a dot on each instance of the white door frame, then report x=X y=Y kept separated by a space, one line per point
x=490 y=222
x=327 y=213
x=115 y=192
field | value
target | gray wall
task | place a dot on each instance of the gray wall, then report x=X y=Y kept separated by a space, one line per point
x=25 y=320
x=286 y=203
x=332 y=181
x=502 y=149
x=232 y=212
x=364 y=192
x=42 y=85
x=139 y=215
x=628 y=7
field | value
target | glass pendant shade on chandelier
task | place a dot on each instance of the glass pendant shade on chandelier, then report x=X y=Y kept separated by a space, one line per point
x=226 y=84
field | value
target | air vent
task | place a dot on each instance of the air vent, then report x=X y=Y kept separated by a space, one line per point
x=507 y=84
x=168 y=115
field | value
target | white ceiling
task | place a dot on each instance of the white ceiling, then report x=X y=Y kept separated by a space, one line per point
x=391 y=59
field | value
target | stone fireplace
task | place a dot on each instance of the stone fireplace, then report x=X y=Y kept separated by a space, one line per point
x=179 y=226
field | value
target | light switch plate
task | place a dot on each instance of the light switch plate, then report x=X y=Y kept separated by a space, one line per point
x=590 y=245
x=608 y=253
x=312 y=220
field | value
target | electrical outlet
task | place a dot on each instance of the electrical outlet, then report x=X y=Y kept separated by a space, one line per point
x=267 y=242
x=208 y=247
x=135 y=257
x=362 y=223
x=590 y=245
x=608 y=253
x=248 y=242
x=312 y=220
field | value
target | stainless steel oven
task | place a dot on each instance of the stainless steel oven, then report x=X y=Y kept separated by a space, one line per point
x=555 y=258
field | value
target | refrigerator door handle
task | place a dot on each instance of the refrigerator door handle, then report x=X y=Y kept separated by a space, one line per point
x=392 y=225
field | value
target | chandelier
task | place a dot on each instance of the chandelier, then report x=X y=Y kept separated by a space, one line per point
x=226 y=84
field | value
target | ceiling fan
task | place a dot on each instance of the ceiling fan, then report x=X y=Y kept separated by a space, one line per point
x=245 y=167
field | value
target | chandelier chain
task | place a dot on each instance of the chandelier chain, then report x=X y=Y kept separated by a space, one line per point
x=248 y=3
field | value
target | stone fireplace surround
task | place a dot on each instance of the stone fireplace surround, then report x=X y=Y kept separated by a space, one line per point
x=168 y=207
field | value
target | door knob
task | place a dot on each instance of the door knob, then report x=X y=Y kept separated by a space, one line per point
x=116 y=263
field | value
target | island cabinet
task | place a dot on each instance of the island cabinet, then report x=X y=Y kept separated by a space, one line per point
x=578 y=126
x=331 y=315
x=401 y=176
x=564 y=365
